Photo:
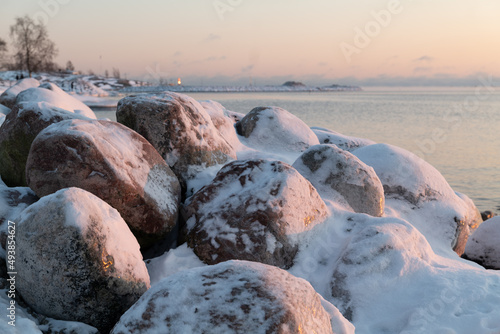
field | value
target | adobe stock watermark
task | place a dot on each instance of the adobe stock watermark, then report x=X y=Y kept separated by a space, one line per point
x=224 y=6
x=49 y=9
x=11 y=272
x=156 y=75
x=363 y=37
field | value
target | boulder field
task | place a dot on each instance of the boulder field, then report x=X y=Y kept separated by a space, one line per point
x=256 y=222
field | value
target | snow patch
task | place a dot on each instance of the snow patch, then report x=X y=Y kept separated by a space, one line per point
x=54 y=95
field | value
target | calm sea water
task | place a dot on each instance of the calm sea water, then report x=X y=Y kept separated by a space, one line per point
x=456 y=130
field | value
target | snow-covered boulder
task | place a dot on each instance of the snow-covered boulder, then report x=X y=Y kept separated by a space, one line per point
x=387 y=279
x=179 y=128
x=77 y=259
x=483 y=246
x=253 y=210
x=419 y=193
x=49 y=92
x=8 y=98
x=20 y=128
x=379 y=253
x=346 y=143
x=114 y=163
x=231 y=297
x=405 y=175
x=335 y=172
x=223 y=120
x=276 y=130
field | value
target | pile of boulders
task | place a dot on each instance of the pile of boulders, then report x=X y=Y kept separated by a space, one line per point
x=104 y=194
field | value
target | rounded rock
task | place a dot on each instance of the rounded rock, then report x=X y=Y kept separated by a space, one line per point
x=253 y=210
x=114 y=163
x=231 y=297
x=333 y=171
x=81 y=252
x=275 y=129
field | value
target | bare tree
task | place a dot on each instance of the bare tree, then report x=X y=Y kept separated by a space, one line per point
x=33 y=49
x=106 y=73
x=70 y=66
x=116 y=73
x=3 y=52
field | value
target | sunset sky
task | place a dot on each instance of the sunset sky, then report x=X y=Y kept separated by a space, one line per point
x=267 y=42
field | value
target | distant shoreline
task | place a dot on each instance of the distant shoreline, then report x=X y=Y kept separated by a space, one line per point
x=238 y=89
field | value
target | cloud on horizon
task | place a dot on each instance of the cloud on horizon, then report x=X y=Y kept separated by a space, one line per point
x=424 y=59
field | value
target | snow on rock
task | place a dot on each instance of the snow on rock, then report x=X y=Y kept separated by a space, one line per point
x=8 y=98
x=253 y=210
x=416 y=191
x=12 y=202
x=114 y=163
x=83 y=255
x=275 y=129
x=179 y=128
x=173 y=261
x=223 y=120
x=3 y=113
x=387 y=279
x=4 y=110
x=483 y=246
x=82 y=87
x=20 y=128
x=59 y=326
x=380 y=252
x=335 y=172
x=405 y=175
x=231 y=297
x=346 y=143
x=51 y=93
x=24 y=322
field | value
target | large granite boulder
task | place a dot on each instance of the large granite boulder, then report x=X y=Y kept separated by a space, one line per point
x=273 y=129
x=231 y=297
x=20 y=128
x=114 y=163
x=483 y=246
x=422 y=195
x=77 y=259
x=253 y=210
x=8 y=98
x=335 y=172
x=346 y=143
x=179 y=128
x=50 y=93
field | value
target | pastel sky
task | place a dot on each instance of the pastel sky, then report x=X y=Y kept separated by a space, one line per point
x=267 y=42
